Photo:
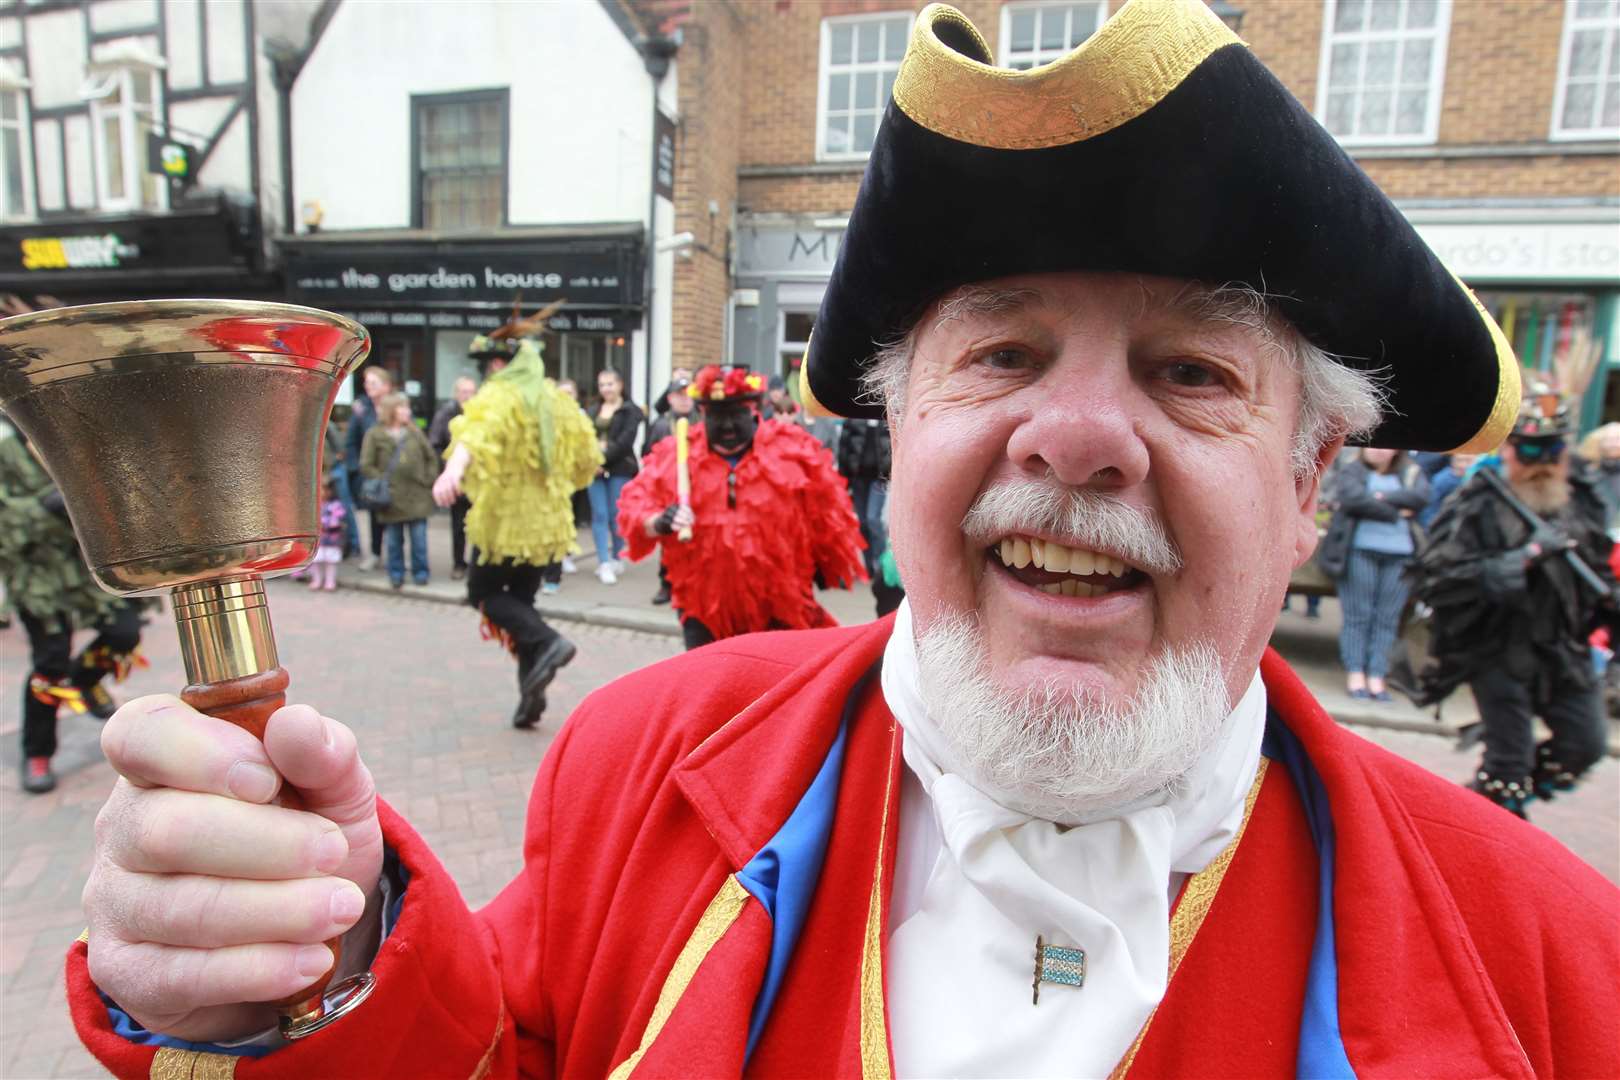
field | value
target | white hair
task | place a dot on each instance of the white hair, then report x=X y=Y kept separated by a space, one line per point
x=1094 y=520
x=1336 y=400
x=1060 y=753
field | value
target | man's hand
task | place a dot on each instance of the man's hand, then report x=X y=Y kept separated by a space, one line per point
x=204 y=896
x=672 y=520
x=1546 y=542
x=447 y=488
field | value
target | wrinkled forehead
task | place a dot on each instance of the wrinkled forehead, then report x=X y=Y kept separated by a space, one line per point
x=1124 y=298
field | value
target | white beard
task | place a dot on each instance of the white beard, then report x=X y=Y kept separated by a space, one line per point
x=1060 y=755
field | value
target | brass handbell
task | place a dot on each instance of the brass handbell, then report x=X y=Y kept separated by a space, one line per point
x=185 y=437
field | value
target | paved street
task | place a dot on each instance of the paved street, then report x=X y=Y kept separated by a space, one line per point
x=430 y=702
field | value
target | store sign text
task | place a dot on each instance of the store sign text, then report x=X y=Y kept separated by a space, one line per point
x=1483 y=253
x=76 y=252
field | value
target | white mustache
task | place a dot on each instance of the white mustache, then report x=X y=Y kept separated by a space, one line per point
x=1077 y=517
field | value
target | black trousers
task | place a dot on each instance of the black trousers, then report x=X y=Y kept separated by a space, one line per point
x=505 y=593
x=458 y=532
x=51 y=657
x=1573 y=712
x=694 y=633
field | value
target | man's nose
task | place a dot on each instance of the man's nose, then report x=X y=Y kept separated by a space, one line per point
x=1082 y=427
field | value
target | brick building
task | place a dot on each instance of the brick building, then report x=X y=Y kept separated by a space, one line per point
x=1494 y=125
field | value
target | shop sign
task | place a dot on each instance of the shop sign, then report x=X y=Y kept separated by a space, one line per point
x=564 y=322
x=788 y=252
x=76 y=252
x=663 y=156
x=1571 y=252
x=462 y=278
x=208 y=242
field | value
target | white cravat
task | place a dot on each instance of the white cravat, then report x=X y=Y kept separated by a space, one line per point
x=975 y=882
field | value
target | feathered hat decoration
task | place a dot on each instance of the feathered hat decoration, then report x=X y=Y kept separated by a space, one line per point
x=502 y=342
x=730 y=383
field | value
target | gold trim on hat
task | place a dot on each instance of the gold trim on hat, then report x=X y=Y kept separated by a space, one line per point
x=1138 y=56
x=1505 y=410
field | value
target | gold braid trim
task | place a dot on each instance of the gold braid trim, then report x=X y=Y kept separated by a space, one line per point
x=172 y=1064
x=875 y=1063
x=485 y=1063
x=1147 y=49
x=717 y=919
x=1505 y=409
x=1196 y=900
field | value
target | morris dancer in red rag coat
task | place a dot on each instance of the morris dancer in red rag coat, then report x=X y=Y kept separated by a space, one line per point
x=768 y=515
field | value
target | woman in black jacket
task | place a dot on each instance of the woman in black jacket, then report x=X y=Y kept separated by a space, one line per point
x=618 y=421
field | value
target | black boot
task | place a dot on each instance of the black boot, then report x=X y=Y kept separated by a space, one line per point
x=1511 y=795
x=538 y=676
x=1549 y=777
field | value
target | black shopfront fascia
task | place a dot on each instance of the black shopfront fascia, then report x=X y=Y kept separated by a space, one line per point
x=405 y=288
x=209 y=250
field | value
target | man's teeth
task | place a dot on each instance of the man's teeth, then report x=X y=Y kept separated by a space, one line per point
x=1019 y=552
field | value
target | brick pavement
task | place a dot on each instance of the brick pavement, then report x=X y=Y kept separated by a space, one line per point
x=430 y=703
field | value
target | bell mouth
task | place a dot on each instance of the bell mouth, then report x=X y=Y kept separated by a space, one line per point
x=66 y=343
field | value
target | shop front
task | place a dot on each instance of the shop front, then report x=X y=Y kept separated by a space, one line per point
x=208 y=249
x=424 y=298
x=1550 y=276
x=783 y=265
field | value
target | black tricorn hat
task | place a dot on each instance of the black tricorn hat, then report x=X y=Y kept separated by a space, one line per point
x=1160 y=146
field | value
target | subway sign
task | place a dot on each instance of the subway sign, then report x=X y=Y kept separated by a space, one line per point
x=107 y=251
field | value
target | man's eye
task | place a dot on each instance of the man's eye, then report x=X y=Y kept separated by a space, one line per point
x=1187 y=373
x=1006 y=359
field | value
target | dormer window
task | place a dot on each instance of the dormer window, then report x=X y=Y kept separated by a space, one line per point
x=124 y=91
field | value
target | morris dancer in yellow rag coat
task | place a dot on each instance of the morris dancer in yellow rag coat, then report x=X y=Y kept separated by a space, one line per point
x=519 y=450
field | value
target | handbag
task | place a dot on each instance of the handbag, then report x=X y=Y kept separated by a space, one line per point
x=374 y=492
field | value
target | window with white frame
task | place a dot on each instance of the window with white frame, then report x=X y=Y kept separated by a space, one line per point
x=16 y=166
x=1383 y=67
x=859 y=57
x=1587 y=105
x=1040 y=31
x=124 y=105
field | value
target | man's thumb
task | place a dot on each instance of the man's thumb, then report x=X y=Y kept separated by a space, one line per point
x=319 y=757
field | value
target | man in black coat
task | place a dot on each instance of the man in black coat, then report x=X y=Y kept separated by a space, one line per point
x=1511 y=616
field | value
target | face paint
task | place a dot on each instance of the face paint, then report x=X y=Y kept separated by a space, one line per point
x=730 y=426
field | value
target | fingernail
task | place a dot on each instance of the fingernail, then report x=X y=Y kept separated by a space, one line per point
x=330 y=851
x=347 y=904
x=251 y=782
x=328 y=735
x=314 y=960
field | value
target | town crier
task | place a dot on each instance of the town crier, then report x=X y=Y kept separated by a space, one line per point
x=766 y=516
x=1064 y=813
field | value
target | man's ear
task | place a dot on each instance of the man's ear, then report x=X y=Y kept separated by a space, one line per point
x=1307 y=493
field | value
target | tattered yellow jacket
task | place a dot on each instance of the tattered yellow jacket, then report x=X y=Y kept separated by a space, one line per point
x=521 y=496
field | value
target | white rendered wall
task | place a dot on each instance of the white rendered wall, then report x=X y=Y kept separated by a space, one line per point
x=580 y=108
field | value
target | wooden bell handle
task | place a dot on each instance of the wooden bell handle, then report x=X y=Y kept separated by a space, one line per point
x=248 y=702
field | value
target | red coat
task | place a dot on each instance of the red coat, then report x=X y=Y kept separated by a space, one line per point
x=1468 y=943
x=760 y=541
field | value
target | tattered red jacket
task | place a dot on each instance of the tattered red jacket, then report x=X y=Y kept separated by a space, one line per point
x=1466 y=942
x=764 y=530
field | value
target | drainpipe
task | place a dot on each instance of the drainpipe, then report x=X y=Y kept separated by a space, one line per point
x=284 y=67
x=656 y=53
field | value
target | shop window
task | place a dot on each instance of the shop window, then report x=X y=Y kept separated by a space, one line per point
x=1037 y=33
x=125 y=102
x=459 y=156
x=1587 y=105
x=860 y=55
x=1544 y=328
x=792 y=339
x=16 y=161
x=1383 y=67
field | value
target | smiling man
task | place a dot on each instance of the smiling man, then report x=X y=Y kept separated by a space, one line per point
x=1064 y=814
